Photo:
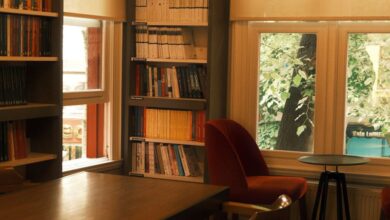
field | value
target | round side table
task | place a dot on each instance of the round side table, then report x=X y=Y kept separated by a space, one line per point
x=341 y=186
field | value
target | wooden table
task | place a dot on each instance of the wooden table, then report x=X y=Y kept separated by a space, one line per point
x=341 y=183
x=104 y=196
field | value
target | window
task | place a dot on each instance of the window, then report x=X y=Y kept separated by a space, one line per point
x=88 y=89
x=321 y=87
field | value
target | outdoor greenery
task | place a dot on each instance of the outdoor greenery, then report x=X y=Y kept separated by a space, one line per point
x=367 y=99
x=366 y=104
x=278 y=61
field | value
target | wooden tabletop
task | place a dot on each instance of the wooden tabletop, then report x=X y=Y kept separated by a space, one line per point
x=333 y=160
x=104 y=196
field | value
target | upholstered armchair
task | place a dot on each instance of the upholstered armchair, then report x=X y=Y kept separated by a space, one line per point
x=235 y=160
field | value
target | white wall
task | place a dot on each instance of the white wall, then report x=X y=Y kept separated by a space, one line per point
x=308 y=9
x=107 y=9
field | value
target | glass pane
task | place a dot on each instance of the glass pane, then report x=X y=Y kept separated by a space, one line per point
x=287 y=69
x=368 y=99
x=81 y=54
x=74 y=133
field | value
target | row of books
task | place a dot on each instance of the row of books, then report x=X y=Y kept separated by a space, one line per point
x=13 y=140
x=195 y=11
x=168 y=159
x=169 y=124
x=36 y=5
x=24 y=36
x=12 y=85
x=173 y=82
x=166 y=43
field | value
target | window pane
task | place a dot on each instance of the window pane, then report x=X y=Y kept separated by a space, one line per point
x=83 y=131
x=368 y=100
x=74 y=132
x=81 y=54
x=287 y=68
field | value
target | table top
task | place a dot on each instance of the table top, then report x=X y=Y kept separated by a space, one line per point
x=333 y=160
x=104 y=196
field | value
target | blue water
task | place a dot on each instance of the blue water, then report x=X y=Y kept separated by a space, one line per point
x=368 y=147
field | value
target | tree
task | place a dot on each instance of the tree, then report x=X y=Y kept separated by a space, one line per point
x=296 y=123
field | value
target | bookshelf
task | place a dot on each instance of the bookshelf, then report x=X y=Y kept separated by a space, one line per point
x=36 y=103
x=208 y=31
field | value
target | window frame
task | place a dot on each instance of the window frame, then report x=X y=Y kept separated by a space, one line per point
x=330 y=85
x=377 y=166
x=111 y=71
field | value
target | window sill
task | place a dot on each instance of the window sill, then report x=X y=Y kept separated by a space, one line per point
x=352 y=178
x=86 y=164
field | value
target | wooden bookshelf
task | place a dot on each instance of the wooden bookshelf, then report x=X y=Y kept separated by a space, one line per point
x=166 y=141
x=28 y=12
x=28 y=111
x=211 y=36
x=163 y=102
x=160 y=60
x=170 y=24
x=196 y=179
x=42 y=90
x=31 y=159
x=28 y=59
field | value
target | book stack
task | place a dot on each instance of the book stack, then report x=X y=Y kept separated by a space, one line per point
x=167 y=159
x=24 y=36
x=173 y=82
x=169 y=124
x=181 y=11
x=36 y=5
x=12 y=85
x=165 y=42
x=13 y=140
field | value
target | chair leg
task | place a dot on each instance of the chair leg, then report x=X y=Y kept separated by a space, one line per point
x=302 y=208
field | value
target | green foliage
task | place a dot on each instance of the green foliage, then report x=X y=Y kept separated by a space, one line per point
x=365 y=104
x=278 y=59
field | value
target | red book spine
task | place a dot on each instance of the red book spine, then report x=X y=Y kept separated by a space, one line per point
x=137 y=80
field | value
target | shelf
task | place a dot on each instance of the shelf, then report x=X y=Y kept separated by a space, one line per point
x=162 y=23
x=28 y=12
x=21 y=58
x=28 y=111
x=160 y=60
x=169 y=103
x=32 y=158
x=165 y=141
x=192 y=179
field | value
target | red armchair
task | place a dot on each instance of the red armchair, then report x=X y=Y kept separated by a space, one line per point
x=385 y=212
x=235 y=160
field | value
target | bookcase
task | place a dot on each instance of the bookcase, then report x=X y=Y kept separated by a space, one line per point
x=31 y=87
x=174 y=80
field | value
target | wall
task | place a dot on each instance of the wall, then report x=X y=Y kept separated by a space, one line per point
x=108 y=9
x=309 y=9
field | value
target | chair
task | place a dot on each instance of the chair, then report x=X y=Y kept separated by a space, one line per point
x=385 y=210
x=235 y=160
x=278 y=210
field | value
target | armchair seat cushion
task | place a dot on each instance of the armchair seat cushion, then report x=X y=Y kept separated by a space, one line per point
x=264 y=189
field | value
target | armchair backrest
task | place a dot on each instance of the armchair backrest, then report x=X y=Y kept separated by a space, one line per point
x=232 y=153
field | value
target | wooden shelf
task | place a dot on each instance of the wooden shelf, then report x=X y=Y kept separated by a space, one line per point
x=28 y=111
x=166 y=23
x=166 y=141
x=28 y=12
x=196 y=179
x=32 y=158
x=169 y=103
x=160 y=60
x=28 y=59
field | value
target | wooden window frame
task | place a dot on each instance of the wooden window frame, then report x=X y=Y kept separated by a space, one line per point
x=330 y=91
